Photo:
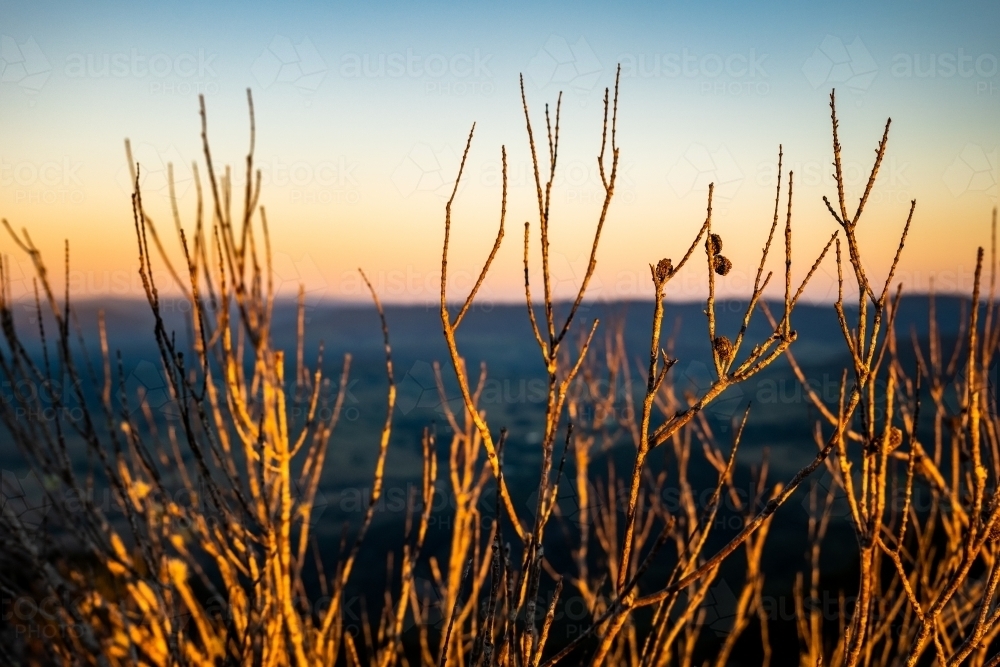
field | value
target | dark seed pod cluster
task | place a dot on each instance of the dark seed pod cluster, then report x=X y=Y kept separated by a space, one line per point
x=715 y=243
x=724 y=347
x=721 y=264
x=663 y=269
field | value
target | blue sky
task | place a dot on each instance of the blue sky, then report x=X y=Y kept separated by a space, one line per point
x=363 y=109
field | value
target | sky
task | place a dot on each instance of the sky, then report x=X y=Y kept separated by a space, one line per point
x=363 y=110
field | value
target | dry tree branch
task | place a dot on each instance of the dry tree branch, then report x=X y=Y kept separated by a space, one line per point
x=450 y=327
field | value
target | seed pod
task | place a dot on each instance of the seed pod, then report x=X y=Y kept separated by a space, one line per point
x=724 y=348
x=663 y=269
x=722 y=265
x=715 y=243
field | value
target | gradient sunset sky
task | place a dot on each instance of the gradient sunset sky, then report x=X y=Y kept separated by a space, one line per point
x=363 y=110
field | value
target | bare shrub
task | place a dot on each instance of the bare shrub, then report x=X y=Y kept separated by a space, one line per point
x=207 y=561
